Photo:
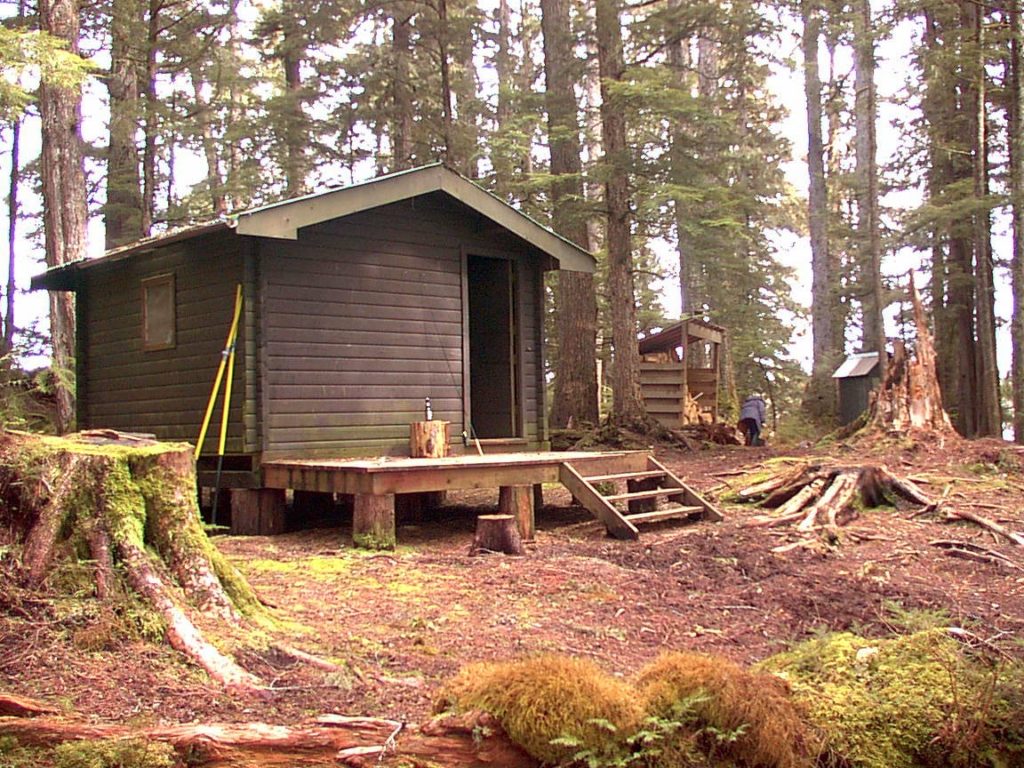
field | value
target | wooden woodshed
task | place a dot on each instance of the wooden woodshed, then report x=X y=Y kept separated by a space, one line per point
x=359 y=303
x=679 y=372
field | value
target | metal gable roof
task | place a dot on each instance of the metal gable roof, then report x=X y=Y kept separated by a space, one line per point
x=284 y=219
x=859 y=364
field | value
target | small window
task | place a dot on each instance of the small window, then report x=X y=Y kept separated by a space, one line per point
x=158 y=312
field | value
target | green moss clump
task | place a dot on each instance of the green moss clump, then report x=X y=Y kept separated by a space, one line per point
x=754 y=712
x=373 y=541
x=549 y=698
x=14 y=755
x=898 y=703
x=114 y=753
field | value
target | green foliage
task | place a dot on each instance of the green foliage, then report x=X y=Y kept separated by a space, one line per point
x=114 y=753
x=26 y=55
x=13 y=755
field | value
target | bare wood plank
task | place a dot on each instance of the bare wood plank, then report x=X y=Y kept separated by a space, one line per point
x=616 y=524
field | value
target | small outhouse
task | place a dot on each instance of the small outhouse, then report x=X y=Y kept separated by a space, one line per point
x=858 y=375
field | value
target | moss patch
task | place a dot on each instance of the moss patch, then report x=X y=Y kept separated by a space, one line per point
x=541 y=700
x=897 y=703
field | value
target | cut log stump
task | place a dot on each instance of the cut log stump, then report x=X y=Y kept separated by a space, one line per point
x=497 y=533
x=428 y=439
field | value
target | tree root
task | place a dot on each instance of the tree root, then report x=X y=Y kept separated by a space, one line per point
x=815 y=496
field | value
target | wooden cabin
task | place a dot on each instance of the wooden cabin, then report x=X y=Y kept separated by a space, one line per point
x=679 y=373
x=359 y=303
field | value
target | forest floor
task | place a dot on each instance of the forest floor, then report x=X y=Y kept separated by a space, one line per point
x=401 y=623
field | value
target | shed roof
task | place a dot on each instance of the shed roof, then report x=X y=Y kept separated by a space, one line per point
x=284 y=219
x=672 y=336
x=856 y=365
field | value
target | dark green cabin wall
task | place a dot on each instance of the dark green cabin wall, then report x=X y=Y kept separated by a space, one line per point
x=120 y=386
x=362 y=318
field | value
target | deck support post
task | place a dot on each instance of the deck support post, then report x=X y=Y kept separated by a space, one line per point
x=257 y=511
x=373 y=521
x=517 y=500
x=639 y=506
x=538 y=496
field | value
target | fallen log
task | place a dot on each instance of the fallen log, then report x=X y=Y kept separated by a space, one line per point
x=471 y=740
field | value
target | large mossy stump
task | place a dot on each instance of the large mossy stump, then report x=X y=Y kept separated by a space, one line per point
x=127 y=508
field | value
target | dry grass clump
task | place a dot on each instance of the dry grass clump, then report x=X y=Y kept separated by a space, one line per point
x=746 y=717
x=546 y=698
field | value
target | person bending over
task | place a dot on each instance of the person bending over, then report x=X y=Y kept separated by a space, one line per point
x=752 y=415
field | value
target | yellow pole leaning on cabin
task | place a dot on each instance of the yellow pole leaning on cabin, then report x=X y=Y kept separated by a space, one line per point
x=229 y=350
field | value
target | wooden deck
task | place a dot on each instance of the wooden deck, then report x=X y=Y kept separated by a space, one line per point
x=402 y=475
x=376 y=483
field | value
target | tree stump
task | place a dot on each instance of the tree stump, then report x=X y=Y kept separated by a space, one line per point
x=517 y=500
x=428 y=439
x=131 y=508
x=497 y=533
x=373 y=521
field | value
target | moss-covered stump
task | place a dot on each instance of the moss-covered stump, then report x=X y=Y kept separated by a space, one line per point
x=127 y=507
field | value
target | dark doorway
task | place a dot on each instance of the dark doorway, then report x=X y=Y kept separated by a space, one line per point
x=492 y=379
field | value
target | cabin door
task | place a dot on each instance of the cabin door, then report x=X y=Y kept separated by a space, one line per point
x=492 y=347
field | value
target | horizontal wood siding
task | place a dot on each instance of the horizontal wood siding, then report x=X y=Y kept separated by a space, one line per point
x=120 y=386
x=363 y=320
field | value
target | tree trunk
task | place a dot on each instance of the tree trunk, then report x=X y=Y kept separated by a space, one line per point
x=821 y=396
x=151 y=117
x=296 y=134
x=869 y=249
x=987 y=395
x=214 y=173
x=627 y=403
x=64 y=199
x=401 y=88
x=909 y=397
x=446 y=83
x=937 y=109
x=123 y=209
x=497 y=533
x=1016 y=146
x=575 y=391
x=12 y=232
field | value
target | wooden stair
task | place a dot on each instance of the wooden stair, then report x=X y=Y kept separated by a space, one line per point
x=652 y=495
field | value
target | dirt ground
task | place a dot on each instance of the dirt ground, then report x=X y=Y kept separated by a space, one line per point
x=400 y=623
